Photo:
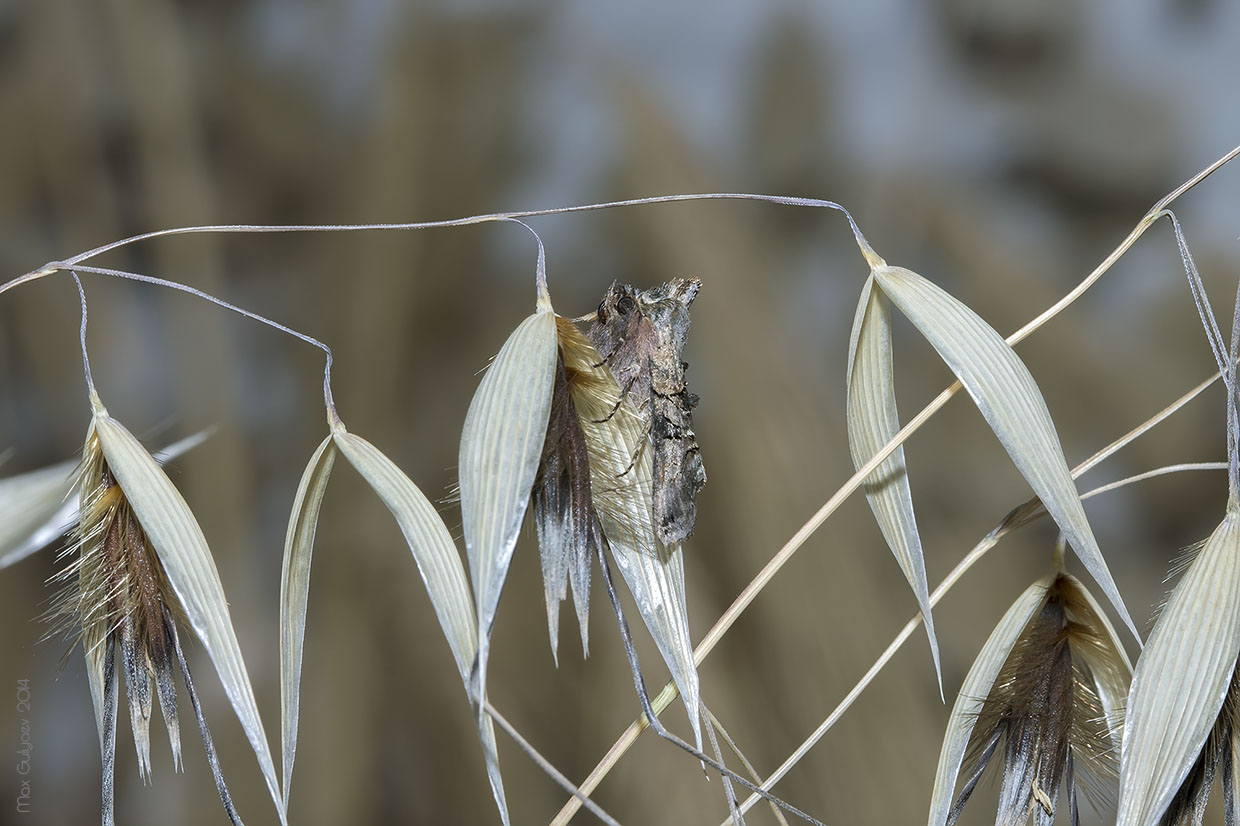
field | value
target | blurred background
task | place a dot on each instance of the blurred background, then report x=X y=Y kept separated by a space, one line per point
x=999 y=148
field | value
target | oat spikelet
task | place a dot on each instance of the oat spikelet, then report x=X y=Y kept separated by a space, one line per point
x=123 y=590
x=1051 y=712
x=1181 y=712
x=118 y=601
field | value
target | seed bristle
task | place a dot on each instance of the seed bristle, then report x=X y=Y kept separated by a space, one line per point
x=114 y=590
x=1045 y=708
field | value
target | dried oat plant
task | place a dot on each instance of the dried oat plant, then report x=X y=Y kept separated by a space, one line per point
x=581 y=425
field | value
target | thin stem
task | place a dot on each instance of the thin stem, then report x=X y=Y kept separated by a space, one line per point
x=717 y=726
x=1196 y=179
x=163 y=282
x=1143 y=428
x=1223 y=356
x=1218 y=345
x=1119 y=251
x=208 y=744
x=652 y=719
x=728 y=792
x=540 y=270
x=785 y=200
x=548 y=768
x=90 y=381
x=1165 y=470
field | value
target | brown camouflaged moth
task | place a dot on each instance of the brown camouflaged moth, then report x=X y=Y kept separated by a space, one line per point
x=641 y=336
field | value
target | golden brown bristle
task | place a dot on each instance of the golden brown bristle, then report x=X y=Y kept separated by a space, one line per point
x=118 y=590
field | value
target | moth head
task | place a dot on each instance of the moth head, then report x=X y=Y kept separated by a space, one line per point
x=620 y=301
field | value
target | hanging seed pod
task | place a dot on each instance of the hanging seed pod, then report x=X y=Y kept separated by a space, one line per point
x=1045 y=698
x=139 y=566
